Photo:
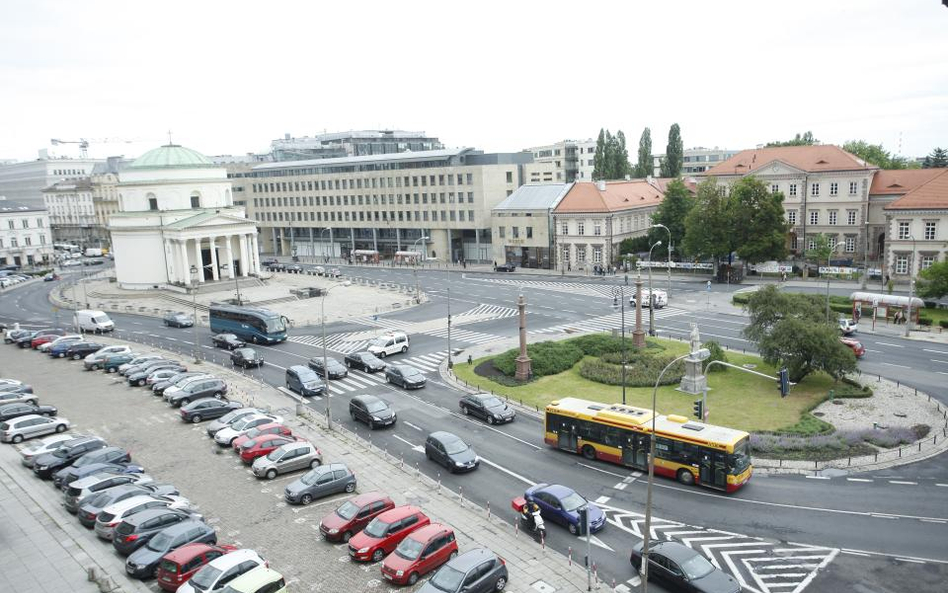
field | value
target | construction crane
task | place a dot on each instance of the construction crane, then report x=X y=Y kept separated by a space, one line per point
x=84 y=143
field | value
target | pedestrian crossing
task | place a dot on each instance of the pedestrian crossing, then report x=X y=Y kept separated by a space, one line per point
x=607 y=322
x=489 y=311
x=360 y=380
x=343 y=343
x=464 y=335
x=583 y=288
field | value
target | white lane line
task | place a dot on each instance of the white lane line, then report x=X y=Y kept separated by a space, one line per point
x=942 y=485
x=903 y=482
x=507 y=471
x=491 y=428
x=414 y=447
x=405 y=422
x=858 y=480
x=933 y=521
x=888 y=344
x=601 y=470
x=912 y=560
x=892 y=364
x=882 y=516
x=939 y=361
x=602 y=500
x=935 y=351
x=620 y=486
x=816 y=477
x=274 y=365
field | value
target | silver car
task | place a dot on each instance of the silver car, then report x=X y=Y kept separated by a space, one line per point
x=89 y=485
x=287 y=458
x=179 y=385
x=230 y=418
x=15 y=430
x=225 y=437
x=18 y=396
x=94 y=361
x=47 y=445
x=112 y=515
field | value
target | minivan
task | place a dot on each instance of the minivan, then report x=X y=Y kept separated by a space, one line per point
x=392 y=343
x=93 y=321
x=304 y=381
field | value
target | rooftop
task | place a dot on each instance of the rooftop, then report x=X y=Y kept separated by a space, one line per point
x=425 y=155
x=618 y=195
x=11 y=207
x=171 y=156
x=535 y=197
x=930 y=195
x=812 y=159
x=901 y=181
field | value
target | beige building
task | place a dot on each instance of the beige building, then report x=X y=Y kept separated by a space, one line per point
x=71 y=214
x=437 y=201
x=916 y=220
x=523 y=226
x=562 y=162
x=25 y=237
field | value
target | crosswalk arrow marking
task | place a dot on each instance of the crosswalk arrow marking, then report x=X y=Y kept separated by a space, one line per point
x=598 y=542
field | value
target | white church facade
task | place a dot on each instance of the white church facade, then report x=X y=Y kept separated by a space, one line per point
x=177 y=224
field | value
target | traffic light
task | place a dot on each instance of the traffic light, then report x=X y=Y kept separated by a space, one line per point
x=699 y=409
x=784 y=382
x=581 y=511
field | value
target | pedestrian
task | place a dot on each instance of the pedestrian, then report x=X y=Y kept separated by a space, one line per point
x=495 y=263
x=569 y=267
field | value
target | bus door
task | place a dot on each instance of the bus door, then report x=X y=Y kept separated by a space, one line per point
x=713 y=469
x=635 y=453
x=720 y=469
x=566 y=438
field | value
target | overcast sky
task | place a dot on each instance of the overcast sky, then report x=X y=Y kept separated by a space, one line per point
x=228 y=77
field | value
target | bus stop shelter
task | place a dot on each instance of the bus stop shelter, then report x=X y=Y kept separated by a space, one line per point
x=885 y=306
x=366 y=256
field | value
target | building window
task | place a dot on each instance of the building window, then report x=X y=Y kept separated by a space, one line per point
x=927 y=261
x=529 y=232
x=502 y=232
x=597 y=255
x=26 y=223
x=901 y=264
x=565 y=228
x=903 y=230
x=792 y=217
x=815 y=189
x=152 y=203
x=850 y=244
x=793 y=190
x=28 y=241
x=565 y=253
x=832 y=217
x=851 y=217
x=794 y=244
x=195 y=201
x=834 y=189
x=852 y=188
x=774 y=188
x=42 y=240
x=13 y=242
x=515 y=232
x=39 y=223
x=814 y=217
x=580 y=228
x=811 y=243
x=581 y=255
x=509 y=176
x=930 y=230
x=11 y=223
x=597 y=229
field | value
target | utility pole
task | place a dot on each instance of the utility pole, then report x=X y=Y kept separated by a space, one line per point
x=908 y=321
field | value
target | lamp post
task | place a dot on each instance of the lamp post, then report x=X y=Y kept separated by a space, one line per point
x=620 y=296
x=450 y=362
x=661 y=226
x=325 y=257
x=908 y=322
x=194 y=270
x=322 y=323
x=236 y=284
x=828 y=257
x=651 y=299
x=415 y=270
x=701 y=354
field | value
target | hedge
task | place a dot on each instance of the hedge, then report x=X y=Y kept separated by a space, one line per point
x=927 y=321
x=642 y=373
x=600 y=344
x=943 y=323
x=548 y=358
x=741 y=299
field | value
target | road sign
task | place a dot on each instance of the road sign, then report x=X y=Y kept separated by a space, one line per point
x=709 y=286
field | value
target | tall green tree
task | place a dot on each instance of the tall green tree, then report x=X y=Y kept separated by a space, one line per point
x=759 y=226
x=619 y=154
x=933 y=281
x=805 y=139
x=599 y=158
x=821 y=251
x=709 y=222
x=674 y=153
x=672 y=212
x=875 y=154
x=643 y=167
x=937 y=159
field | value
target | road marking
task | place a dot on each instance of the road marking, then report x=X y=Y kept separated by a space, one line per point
x=889 y=344
x=600 y=470
x=489 y=427
x=942 y=485
x=935 y=351
x=274 y=365
x=903 y=482
x=620 y=486
x=507 y=471
x=882 y=516
x=858 y=480
x=405 y=422
x=598 y=542
x=602 y=500
x=912 y=560
x=817 y=477
x=901 y=366
x=850 y=552
x=933 y=521
x=414 y=447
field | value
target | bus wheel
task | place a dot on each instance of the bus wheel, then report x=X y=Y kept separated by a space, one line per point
x=686 y=477
x=589 y=452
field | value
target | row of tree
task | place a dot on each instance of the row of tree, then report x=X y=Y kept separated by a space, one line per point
x=611 y=159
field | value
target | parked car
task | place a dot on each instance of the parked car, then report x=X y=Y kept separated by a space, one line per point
x=197 y=389
x=505 y=267
x=408 y=377
x=391 y=343
x=334 y=273
x=95 y=360
x=418 y=554
x=322 y=481
x=304 y=381
x=225 y=437
x=10 y=411
x=385 y=532
x=138 y=529
x=58 y=341
x=162 y=375
x=487 y=407
x=222 y=571
x=137 y=362
x=114 y=361
x=47 y=464
x=106 y=455
x=47 y=445
x=207 y=408
x=46 y=336
x=855 y=345
x=246 y=358
x=180 y=565
x=271 y=428
x=353 y=515
x=11 y=336
x=659 y=297
x=259 y=580
x=79 y=350
x=95 y=483
x=848 y=326
x=293 y=268
x=230 y=418
x=17 y=394
x=112 y=515
x=138 y=375
x=26 y=340
x=287 y=458
x=143 y=562
x=50 y=277
x=559 y=504
x=678 y=567
x=451 y=452
x=178 y=320
x=263 y=445
x=18 y=429
x=336 y=369
x=364 y=361
x=176 y=380
x=475 y=571
x=371 y=410
x=227 y=341
x=320 y=271
x=92 y=505
x=61 y=348
x=269 y=261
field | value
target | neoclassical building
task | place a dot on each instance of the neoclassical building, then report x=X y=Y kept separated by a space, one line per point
x=177 y=224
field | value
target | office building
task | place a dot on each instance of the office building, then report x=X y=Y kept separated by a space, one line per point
x=562 y=162
x=25 y=181
x=25 y=238
x=351 y=143
x=696 y=161
x=523 y=226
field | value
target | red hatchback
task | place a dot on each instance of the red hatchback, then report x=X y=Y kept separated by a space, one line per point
x=179 y=565
x=263 y=445
x=263 y=429
x=385 y=532
x=421 y=552
x=353 y=515
x=855 y=345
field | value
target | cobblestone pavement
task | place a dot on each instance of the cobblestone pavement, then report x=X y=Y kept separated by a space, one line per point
x=251 y=513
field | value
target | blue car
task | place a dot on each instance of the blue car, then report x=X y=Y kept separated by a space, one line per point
x=59 y=350
x=559 y=504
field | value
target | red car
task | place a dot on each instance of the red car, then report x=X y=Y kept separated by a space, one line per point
x=46 y=336
x=421 y=552
x=855 y=345
x=263 y=429
x=263 y=445
x=180 y=565
x=385 y=532
x=353 y=515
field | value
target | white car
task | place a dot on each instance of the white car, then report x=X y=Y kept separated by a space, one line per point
x=16 y=430
x=848 y=327
x=83 y=487
x=60 y=340
x=225 y=436
x=94 y=360
x=71 y=262
x=112 y=515
x=660 y=298
x=47 y=445
x=218 y=572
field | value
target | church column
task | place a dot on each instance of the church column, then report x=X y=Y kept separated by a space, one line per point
x=229 y=252
x=215 y=273
x=244 y=256
x=198 y=260
x=171 y=266
x=185 y=265
x=254 y=254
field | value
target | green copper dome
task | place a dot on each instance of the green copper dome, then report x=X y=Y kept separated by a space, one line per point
x=171 y=156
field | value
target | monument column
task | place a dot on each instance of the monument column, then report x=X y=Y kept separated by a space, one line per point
x=215 y=273
x=524 y=364
x=638 y=335
x=229 y=252
x=198 y=259
x=185 y=264
x=244 y=256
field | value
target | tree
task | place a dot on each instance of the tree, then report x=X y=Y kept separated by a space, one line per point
x=644 y=166
x=791 y=330
x=634 y=245
x=672 y=213
x=933 y=281
x=875 y=154
x=822 y=250
x=619 y=157
x=806 y=139
x=674 y=153
x=599 y=158
x=938 y=158
x=709 y=222
x=758 y=224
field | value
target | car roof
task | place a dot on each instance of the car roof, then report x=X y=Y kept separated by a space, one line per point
x=269 y=425
x=368 y=497
x=470 y=559
x=256 y=578
x=445 y=436
x=184 y=526
x=95 y=478
x=121 y=506
x=429 y=531
x=16 y=421
x=557 y=490
x=294 y=443
x=234 y=558
x=399 y=513
x=366 y=398
x=187 y=552
x=675 y=551
x=147 y=514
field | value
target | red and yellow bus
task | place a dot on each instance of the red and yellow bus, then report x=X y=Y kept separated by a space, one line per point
x=691 y=452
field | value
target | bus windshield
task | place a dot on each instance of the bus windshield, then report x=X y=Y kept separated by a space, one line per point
x=275 y=325
x=741 y=458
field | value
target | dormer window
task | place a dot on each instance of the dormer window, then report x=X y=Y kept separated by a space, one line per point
x=152 y=203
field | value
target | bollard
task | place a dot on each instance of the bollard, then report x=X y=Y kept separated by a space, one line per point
x=439 y=482
x=488 y=510
x=402 y=463
x=542 y=542
x=595 y=575
x=570 y=555
x=461 y=495
x=516 y=528
x=417 y=471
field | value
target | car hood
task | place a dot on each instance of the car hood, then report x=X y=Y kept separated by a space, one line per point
x=226 y=434
x=414 y=379
x=384 y=414
x=172 y=390
x=47 y=459
x=504 y=411
x=396 y=562
x=595 y=513
x=261 y=462
x=464 y=456
x=716 y=581
x=144 y=555
x=296 y=487
x=334 y=521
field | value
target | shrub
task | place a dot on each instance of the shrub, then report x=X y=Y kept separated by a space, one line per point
x=642 y=371
x=605 y=343
x=847 y=388
x=927 y=321
x=841 y=307
x=741 y=299
x=943 y=323
x=549 y=358
x=717 y=353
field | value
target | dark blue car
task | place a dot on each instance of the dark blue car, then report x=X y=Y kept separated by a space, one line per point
x=59 y=350
x=560 y=504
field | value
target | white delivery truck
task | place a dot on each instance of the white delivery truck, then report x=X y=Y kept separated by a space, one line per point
x=97 y=322
x=93 y=252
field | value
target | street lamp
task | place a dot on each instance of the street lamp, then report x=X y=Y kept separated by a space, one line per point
x=415 y=270
x=908 y=322
x=828 y=257
x=325 y=257
x=651 y=297
x=322 y=322
x=661 y=226
x=700 y=354
x=236 y=284
x=619 y=295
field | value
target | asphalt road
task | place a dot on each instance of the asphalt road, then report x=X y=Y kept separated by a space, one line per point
x=827 y=530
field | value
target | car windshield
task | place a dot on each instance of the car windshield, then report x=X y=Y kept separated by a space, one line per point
x=240 y=424
x=455 y=447
x=275 y=324
x=310 y=477
x=160 y=542
x=205 y=577
x=380 y=342
x=231 y=415
x=253 y=433
x=376 y=528
x=275 y=455
x=408 y=371
x=410 y=548
x=378 y=406
x=493 y=402
x=250 y=444
x=61 y=453
x=347 y=510
x=572 y=501
x=245 y=352
x=696 y=567
x=447 y=579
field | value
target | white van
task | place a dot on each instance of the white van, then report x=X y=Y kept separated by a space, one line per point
x=93 y=321
x=392 y=343
x=93 y=252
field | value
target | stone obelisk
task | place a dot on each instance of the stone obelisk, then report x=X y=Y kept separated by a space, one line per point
x=524 y=364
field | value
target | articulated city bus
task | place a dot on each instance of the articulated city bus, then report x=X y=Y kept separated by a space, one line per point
x=251 y=324
x=691 y=452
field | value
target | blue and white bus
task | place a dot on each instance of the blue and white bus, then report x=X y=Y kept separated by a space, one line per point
x=251 y=324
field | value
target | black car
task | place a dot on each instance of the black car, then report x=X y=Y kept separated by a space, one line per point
x=92 y=505
x=178 y=320
x=228 y=341
x=505 y=267
x=680 y=568
x=474 y=571
x=336 y=369
x=407 y=376
x=106 y=455
x=293 y=268
x=269 y=261
x=143 y=562
x=246 y=358
x=371 y=410
x=140 y=376
x=276 y=267
x=364 y=361
x=12 y=336
x=207 y=408
x=46 y=464
x=197 y=389
x=80 y=350
x=451 y=452
x=487 y=407
x=25 y=340
x=14 y=410
x=136 y=530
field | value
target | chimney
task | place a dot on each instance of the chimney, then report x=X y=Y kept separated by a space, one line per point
x=287 y=136
x=601 y=185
